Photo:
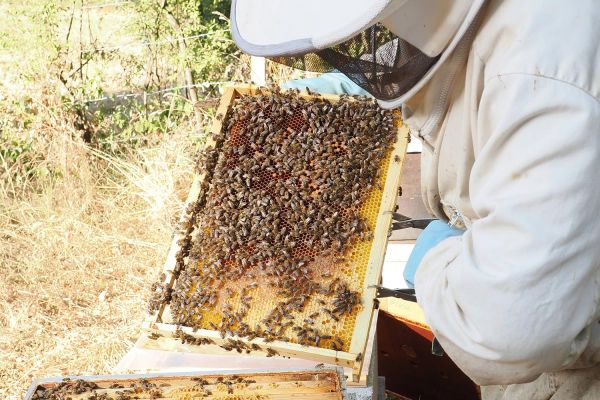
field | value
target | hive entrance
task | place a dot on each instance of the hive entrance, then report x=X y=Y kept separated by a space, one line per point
x=282 y=229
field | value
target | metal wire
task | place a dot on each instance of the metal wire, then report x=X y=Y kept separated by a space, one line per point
x=104 y=5
x=157 y=42
x=128 y=95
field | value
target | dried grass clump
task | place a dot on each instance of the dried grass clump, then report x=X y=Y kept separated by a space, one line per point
x=78 y=250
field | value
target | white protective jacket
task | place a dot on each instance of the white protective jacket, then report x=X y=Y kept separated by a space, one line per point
x=515 y=159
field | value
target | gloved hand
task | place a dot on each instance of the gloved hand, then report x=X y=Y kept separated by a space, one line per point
x=433 y=234
x=331 y=83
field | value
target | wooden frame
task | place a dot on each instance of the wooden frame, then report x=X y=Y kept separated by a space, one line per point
x=161 y=335
x=325 y=383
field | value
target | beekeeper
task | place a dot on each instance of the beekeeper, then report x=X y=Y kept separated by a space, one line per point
x=504 y=96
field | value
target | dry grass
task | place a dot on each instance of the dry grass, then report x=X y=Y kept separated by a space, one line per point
x=78 y=253
x=82 y=234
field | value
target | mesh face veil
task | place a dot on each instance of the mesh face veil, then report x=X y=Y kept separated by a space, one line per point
x=390 y=48
x=376 y=60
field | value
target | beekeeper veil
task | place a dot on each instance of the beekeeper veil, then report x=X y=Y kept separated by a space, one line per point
x=390 y=48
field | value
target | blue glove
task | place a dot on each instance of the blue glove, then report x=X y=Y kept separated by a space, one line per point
x=331 y=82
x=434 y=233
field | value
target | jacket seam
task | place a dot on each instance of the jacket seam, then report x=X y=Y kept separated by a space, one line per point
x=476 y=53
x=544 y=77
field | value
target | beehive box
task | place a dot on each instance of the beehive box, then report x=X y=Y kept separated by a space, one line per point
x=341 y=338
x=304 y=384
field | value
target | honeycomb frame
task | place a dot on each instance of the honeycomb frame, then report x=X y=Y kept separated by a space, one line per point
x=163 y=335
x=303 y=384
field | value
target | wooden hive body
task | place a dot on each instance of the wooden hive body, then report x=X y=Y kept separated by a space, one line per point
x=324 y=384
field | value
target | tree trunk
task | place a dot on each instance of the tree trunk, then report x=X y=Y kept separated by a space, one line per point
x=189 y=78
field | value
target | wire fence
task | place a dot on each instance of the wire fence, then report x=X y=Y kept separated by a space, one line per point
x=105 y=5
x=152 y=43
x=90 y=49
x=140 y=94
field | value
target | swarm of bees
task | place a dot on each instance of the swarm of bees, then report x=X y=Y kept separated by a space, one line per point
x=282 y=192
x=143 y=388
x=63 y=389
x=68 y=388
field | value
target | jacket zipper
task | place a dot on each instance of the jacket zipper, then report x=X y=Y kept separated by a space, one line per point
x=456 y=217
x=457 y=61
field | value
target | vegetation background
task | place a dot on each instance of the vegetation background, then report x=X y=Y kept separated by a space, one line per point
x=103 y=106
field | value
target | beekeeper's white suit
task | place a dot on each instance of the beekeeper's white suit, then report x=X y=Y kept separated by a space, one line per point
x=510 y=123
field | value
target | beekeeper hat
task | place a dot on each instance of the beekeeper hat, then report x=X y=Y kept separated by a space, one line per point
x=388 y=47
